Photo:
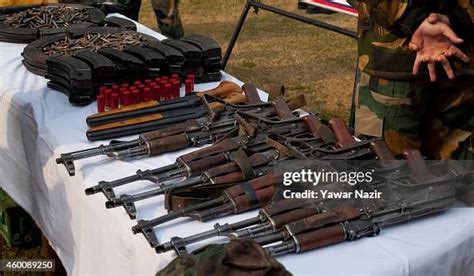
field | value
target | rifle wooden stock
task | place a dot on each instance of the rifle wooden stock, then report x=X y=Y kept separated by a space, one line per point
x=336 y=215
x=251 y=93
x=167 y=144
x=417 y=165
x=223 y=146
x=381 y=150
x=321 y=237
x=341 y=132
x=232 y=98
x=282 y=109
x=293 y=215
x=222 y=90
x=189 y=125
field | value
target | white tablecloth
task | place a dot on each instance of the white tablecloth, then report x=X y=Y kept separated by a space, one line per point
x=37 y=124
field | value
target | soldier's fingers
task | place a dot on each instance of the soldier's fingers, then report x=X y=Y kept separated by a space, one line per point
x=455 y=51
x=447 y=67
x=433 y=18
x=436 y=17
x=413 y=46
x=432 y=70
x=417 y=64
x=450 y=34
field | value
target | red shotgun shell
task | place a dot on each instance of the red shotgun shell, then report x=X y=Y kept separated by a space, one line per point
x=100 y=103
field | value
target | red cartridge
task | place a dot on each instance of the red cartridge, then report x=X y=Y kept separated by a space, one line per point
x=165 y=78
x=114 y=101
x=188 y=86
x=137 y=83
x=125 y=84
x=147 y=81
x=126 y=98
x=191 y=77
x=158 y=79
x=175 y=76
x=122 y=90
x=115 y=88
x=176 y=87
x=108 y=95
x=100 y=103
x=102 y=89
x=151 y=84
x=156 y=92
x=167 y=92
x=135 y=96
x=147 y=94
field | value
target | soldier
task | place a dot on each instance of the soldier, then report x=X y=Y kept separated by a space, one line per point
x=167 y=15
x=401 y=99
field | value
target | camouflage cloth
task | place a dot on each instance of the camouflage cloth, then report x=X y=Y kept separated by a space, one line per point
x=238 y=257
x=169 y=21
x=385 y=28
x=408 y=111
x=437 y=118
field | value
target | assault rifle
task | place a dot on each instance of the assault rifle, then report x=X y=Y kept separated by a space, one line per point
x=195 y=133
x=231 y=202
x=271 y=217
x=421 y=193
x=240 y=166
x=194 y=163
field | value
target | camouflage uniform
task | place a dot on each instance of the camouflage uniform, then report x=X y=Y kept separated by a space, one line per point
x=167 y=14
x=409 y=111
x=237 y=257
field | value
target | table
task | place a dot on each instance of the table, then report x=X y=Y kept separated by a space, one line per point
x=37 y=124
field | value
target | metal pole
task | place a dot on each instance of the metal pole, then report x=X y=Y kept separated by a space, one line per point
x=255 y=4
x=235 y=35
x=303 y=19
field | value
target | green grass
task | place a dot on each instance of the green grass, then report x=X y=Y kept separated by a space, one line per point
x=274 y=51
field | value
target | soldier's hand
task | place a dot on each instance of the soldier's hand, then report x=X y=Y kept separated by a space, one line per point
x=434 y=41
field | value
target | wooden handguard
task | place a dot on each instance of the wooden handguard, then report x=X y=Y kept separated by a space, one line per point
x=232 y=172
x=255 y=184
x=223 y=146
x=341 y=132
x=381 y=150
x=189 y=125
x=198 y=166
x=321 y=237
x=247 y=201
x=283 y=206
x=336 y=215
x=297 y=214
x=313 y=124
x=417 y=165
x=222 y=90
x=125 y=109
x=282 y=109
x=251 y=93
x=167 y=144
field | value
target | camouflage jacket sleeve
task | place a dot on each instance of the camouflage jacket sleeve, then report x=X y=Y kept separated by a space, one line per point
x=399 y=17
